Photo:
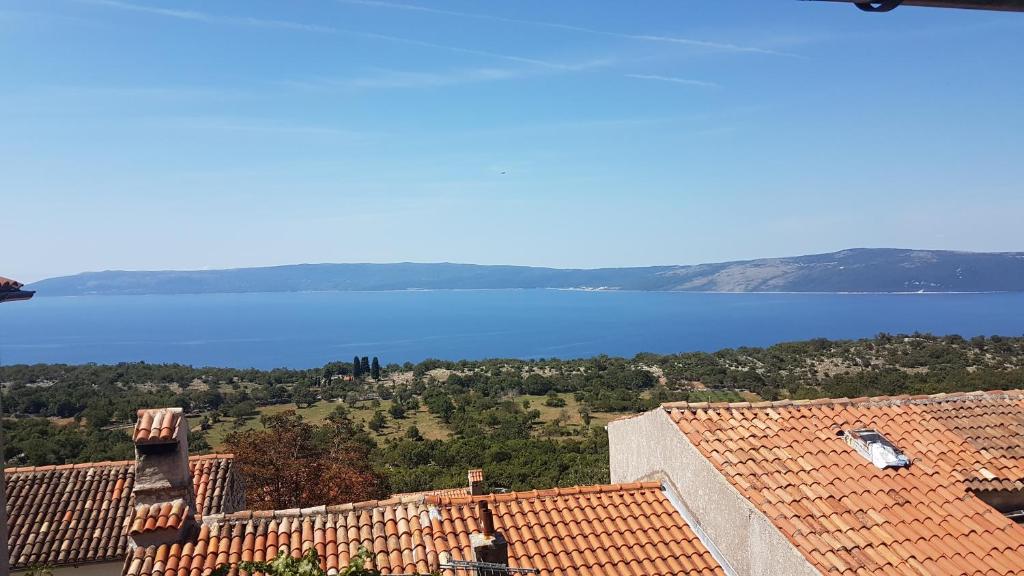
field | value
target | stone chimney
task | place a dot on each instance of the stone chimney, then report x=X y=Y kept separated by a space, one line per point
x=164 y=497
x=476 y=482
x=488 y=545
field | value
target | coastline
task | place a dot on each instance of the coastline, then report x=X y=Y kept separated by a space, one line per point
x=597 y=290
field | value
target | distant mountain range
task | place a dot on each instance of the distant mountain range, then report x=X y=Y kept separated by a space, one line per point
x=857 y=270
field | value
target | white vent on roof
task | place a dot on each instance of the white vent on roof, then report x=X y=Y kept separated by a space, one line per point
x=872 y=445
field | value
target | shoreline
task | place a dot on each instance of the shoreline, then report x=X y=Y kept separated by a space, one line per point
x=599 y=290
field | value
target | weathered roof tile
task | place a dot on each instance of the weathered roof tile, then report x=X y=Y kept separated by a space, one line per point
x=81 y=513
x=157 y=425
x=596 y=531
x=848 y=517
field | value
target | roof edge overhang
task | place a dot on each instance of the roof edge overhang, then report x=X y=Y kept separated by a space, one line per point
x=673 y=497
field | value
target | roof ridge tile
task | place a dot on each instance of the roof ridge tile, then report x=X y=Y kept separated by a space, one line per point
x=547 y=493
x=71 y=466
x=973 y=395
x=104 y=464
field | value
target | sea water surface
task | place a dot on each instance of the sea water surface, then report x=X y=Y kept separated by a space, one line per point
x=300 y=330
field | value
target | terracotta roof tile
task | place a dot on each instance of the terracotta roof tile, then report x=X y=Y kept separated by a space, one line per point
x=593 y=531
x=157 y=425
x=849 y=517
x=6 y=284
x=148 y=518
x=80 y=513
x=413 y=496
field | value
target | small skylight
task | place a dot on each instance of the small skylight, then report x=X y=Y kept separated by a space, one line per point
x=873 y=446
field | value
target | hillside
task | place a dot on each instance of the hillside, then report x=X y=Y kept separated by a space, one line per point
x=857 y=270
x=529 y=423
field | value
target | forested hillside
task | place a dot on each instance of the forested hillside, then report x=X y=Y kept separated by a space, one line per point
x=528 y=423
x=859 y=270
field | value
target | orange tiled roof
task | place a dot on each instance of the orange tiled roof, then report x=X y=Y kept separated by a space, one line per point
x=78 y=513
x=6 y=284
x=159 y=425
x=848 y=517
x=476 y=475
x=621 y=530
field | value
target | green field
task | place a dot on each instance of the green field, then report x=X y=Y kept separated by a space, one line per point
x=429 y=426
x=571 y=411
x=433 y=429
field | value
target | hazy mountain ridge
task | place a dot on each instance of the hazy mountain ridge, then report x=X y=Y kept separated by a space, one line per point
x=856 y=270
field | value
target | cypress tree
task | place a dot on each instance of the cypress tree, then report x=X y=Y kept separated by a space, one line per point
x=375 y=368
x=355 y=368
x=364 y=365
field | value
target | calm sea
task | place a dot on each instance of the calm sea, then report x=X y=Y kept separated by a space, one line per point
x=308 y=329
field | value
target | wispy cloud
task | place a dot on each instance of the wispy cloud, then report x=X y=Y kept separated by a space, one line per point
x=410 y=79
x=471 y=51
x=675 y=80
x=695 y=42
x=161 y=93
x=206 y=17
x=197 y=16
x=259 y=126
x=388 y=78
x=66 y=100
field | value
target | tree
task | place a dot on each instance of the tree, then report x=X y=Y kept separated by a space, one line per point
x=364 y=366
x=397 y=411
x=243 y=409
x=554 y=400
x=375 y=368
x=211 y=399
x=356 y=365
x=377 y=421
x=302 y=394
x=98 y=416
x=413 y=433
x=294 y=464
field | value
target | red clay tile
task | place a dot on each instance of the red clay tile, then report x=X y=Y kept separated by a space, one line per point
x=159 y=425
x=915 y=519
x=408 y=537
x=81 y=513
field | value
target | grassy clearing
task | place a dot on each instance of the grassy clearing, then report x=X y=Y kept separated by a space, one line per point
x=429 y=426
x=748 y=397
x=571 y=410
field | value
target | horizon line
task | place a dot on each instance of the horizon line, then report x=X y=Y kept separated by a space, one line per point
x=451 y=263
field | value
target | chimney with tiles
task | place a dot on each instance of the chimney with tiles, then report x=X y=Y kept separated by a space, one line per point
x=476 y=482
x=164 y=497
x=488 y=545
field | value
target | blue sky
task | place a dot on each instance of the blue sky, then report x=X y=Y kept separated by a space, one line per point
x=140 y=134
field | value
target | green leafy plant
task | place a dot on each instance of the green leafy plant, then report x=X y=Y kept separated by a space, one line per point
x=306 y=565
